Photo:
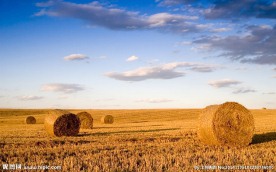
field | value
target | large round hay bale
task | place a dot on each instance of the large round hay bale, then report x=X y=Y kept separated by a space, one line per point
x=30 y=120
x=228 y=124
x=62 y=123
x=107 y=119
x=86 y=120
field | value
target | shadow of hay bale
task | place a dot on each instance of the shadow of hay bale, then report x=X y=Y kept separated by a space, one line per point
x=262 y=138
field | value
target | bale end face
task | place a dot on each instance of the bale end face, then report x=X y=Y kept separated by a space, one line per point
x=30 y=120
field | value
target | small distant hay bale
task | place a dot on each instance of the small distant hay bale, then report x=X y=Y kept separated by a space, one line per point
x=228 y=124
x=86 y=120
x=264 y=108
x=107 y=119
x=30 y=120
x=62 y=123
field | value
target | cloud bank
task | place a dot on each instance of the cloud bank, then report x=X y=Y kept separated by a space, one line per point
x=62 y=88
x=96 y=14
x=165 y=71
x=229 y=9
x=244 y=90
x=224 y=83
x=28 y=98
x=258 y=46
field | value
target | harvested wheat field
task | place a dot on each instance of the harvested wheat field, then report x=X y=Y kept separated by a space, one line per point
x=140 y=140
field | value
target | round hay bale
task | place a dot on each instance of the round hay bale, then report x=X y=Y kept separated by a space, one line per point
x=228 y=124
x=30 y=120
x=264 y=108
x=86 y=120
x=107 y=119
x=62 y=123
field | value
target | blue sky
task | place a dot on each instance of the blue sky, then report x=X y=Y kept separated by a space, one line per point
x=123 y=54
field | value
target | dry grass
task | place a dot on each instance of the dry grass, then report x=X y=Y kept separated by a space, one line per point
x=140 y=140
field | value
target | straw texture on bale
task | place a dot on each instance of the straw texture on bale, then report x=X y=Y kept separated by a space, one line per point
x=30 y=120
x=107 y=119
x=228 y=124
x=62 y=123
x=86 y=120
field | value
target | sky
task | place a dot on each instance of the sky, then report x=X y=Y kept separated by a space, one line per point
x=137 y=54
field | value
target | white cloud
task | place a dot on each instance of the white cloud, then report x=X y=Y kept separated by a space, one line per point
x=154 y=100
x=27 y=98
x=224 y=83
x=132 y=58
x=164 y=71
x=76 y=57
x=63 y=88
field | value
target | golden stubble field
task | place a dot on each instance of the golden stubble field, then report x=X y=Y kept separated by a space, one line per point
x=138 y=140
